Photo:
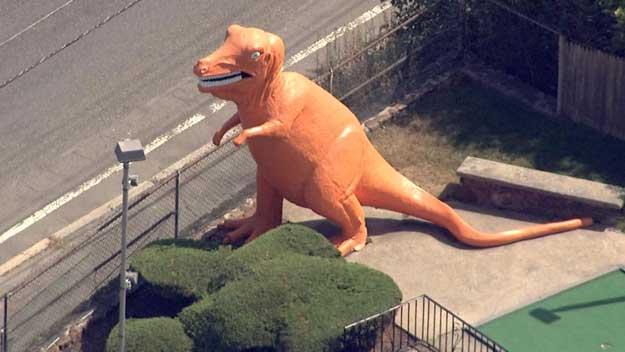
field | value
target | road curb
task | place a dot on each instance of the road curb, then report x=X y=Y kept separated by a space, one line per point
x=68 y=230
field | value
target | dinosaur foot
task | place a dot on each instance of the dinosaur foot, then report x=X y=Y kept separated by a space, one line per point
x=244 y=229
x=347 y=245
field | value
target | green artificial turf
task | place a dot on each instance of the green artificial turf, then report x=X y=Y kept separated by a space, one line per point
x=589 y=317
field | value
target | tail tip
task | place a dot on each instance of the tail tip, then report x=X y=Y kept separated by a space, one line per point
x=586 y=222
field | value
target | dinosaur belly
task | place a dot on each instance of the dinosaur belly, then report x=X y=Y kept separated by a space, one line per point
x=324 y=141
x=283 y=166
x=289 y=164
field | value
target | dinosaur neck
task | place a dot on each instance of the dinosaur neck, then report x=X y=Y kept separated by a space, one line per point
x=259 y=105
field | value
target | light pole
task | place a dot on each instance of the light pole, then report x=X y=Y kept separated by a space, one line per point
x=126 y=151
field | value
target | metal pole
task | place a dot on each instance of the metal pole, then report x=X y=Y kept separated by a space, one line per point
x=122 y=267
x=176 y=219
x=5 y=331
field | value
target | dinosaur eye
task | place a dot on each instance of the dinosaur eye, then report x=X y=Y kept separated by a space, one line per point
x=255 y=55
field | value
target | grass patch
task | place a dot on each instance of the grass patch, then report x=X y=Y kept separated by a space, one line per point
x=430 y=140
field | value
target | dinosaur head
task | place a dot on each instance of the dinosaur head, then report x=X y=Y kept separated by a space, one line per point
x=247 y=63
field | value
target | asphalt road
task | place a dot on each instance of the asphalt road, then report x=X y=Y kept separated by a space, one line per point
x=130 y=77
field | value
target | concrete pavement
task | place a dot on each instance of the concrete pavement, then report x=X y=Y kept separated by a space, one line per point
x=477 y=284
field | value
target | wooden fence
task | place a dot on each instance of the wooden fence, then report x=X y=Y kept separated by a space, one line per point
x=592 y=88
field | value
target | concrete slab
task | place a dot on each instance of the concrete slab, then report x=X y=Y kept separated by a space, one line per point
x=477 y=284
x=584 y=191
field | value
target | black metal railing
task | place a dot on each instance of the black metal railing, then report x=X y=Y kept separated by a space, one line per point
x=419 y=324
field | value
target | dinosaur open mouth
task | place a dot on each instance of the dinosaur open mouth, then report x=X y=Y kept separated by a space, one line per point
x=223 y=79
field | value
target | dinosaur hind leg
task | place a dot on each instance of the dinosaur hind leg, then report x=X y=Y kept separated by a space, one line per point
x=346 y=212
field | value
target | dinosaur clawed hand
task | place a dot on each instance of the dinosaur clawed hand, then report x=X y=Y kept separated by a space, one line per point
x=245 y=229
x=218 y=136
x=240 y=139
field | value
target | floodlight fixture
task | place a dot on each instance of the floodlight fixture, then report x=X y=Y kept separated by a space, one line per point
x=129 y=150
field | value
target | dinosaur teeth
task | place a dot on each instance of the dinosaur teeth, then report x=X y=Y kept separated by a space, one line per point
x=221 y=82
x=223 y=79
x=220 y=77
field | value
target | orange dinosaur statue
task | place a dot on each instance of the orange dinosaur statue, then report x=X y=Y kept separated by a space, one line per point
x=311 y=150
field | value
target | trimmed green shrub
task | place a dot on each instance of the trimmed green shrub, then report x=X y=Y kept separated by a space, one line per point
x=197 y=322
x=154 y=335
x=288 y=290
x=290 y=303
x=286 y=239
x=182 y=269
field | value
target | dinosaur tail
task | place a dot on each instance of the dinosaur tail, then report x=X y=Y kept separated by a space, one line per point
x=383 y=187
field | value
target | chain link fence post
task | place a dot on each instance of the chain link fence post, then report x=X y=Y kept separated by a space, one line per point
x=331 y=81
x=5 y=324
x=177 y=205
x=462 y=12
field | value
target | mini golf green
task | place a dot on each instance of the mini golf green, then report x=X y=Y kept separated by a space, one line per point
x=587 y=317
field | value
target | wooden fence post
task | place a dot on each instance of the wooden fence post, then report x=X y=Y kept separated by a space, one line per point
x=463 y=31
x=561 y=43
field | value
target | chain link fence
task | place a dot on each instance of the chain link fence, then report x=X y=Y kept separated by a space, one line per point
x=231 y=174
x=385 y=60
x=44 y=304
x=85 y=269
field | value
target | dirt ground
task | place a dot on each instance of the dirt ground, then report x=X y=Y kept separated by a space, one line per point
x=423 y=158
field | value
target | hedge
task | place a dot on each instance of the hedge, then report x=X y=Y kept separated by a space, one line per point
x=288 y=290
x=181 y=269
x=291 y=303
x=154 y=335
x=188 y=269
x=286 y=239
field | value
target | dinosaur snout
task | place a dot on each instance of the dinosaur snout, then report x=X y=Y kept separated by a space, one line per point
x=201 y=67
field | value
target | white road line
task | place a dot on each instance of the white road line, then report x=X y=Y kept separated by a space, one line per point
x=37 y=22
x=339 y=32
x=193 y=120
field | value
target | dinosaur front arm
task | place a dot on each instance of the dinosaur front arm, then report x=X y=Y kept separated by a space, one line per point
x=227 y=126
x=271 y=128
